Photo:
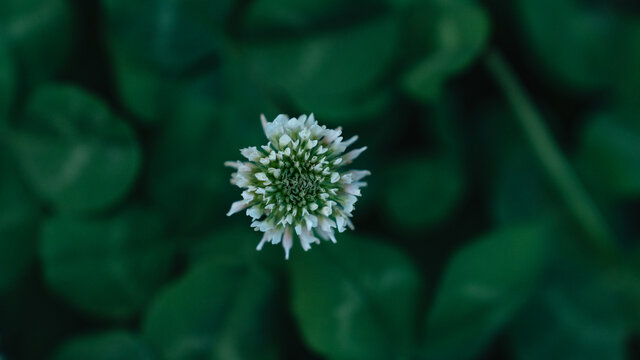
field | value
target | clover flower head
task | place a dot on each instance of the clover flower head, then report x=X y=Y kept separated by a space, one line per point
x=297 y=183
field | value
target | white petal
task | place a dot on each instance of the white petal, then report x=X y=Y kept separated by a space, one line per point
x=342 y=146
x=233 y=164
x=276 y=236
x=287 y=242
x=347 y=203
x=247 y=195
x=251 y=153
x=237 y=206
x=265 y=238
x=351 y=155
x=264 y=122
x=284 y=139
x=326 y=211
x=340 y=222
x=294 y=123
x=358 y=174
x=352 y=189
x=350 y=224
x=255 y=212
x=331 y=135
x=335 y=177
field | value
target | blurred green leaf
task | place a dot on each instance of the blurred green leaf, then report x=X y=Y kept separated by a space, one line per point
x=572 y=41
x=19 y=224
x=143 y=91
x=234 y=246
x=115 y=345
x=455 y=32
x=579 y=312
x=7 y=83
x=356 y=299
x=171 y=35
x=215 y=311
x=339 y=110
x=39 y=31
x=520 y=191
x=609 y=156
x=106 y=267
x=422 y=192
x=74 y=151
x=163 y=49
x=483 y=286
x=627 y=81
x=573 y=323
x=328 y=65
x=187 y=156
x=293 y=14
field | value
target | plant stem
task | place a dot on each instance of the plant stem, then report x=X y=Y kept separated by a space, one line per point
x=553 y=162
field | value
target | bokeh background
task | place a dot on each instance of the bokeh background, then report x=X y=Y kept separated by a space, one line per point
x=501 y=220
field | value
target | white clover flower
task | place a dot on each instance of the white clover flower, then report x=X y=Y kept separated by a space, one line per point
x=297 y=182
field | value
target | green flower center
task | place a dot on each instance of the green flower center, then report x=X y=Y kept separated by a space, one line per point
x=299 y=185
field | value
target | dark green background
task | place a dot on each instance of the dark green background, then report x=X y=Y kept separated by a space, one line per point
x=501 y=219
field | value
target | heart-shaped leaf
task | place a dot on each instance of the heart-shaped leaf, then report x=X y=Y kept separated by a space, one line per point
x=483 y=287
x=336 y=64
x=216 y=311
x=106 y=267
x=356 y=299
x=581 y=311
x=74 y=152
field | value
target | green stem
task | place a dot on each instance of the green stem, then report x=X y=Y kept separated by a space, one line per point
x=553 y=162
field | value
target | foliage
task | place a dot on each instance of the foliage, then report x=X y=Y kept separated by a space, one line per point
x=500 y=220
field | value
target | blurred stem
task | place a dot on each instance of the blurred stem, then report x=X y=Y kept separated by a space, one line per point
x=557 y=168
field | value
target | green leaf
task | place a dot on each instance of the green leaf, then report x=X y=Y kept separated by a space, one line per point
x=19 y=224
x=520 y=191
x=7 y=83
x=160 y=59
x=581 y=312
x=171 y=35
x=341 y=110
x=74 y=152
x=115 y=345
x=39 y=31
x=356 y=299
x=234 y=246
x=574 y=323
x=609 y=156
x=335 y=64
x=482 y=288
x=293 y=14
x=106 y=267
x=455 y=33
x=575 y=43
x=215 y=311
x=188 y=153
x=627 y=71
x=422 y=192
